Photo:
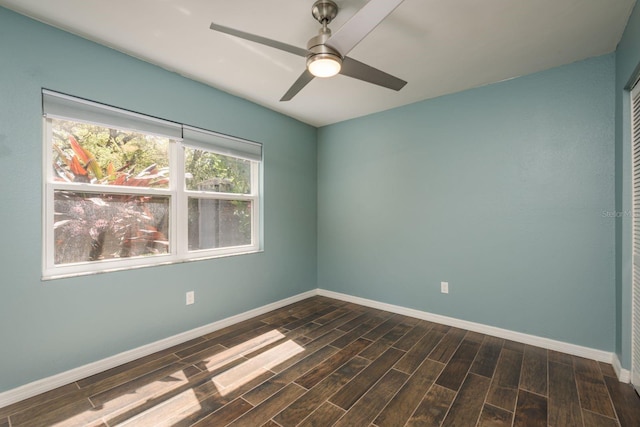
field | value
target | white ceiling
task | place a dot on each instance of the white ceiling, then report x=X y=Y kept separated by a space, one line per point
x=438 y=46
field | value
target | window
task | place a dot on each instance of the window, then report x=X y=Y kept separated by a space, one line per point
x=124 y=190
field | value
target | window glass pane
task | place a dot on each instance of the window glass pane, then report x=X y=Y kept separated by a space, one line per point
x=96 y=154
x=206 y=171
x=217 y=223
x=91 y=227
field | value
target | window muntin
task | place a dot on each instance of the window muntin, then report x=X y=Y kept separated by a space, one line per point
x=117 y=198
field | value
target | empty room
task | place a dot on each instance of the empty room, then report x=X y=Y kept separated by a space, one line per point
x=317 y=213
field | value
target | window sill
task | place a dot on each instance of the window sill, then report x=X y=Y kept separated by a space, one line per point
x=46 y=278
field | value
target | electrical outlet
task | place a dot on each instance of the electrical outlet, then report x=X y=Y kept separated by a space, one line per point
x=444 y=287
x=191 y=297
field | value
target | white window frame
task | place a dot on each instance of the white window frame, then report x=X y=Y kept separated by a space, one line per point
x=103 y=115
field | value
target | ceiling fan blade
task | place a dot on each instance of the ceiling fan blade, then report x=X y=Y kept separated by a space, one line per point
x=302 y=81
x=257 y=39
x=361 y=24
x=364 y=72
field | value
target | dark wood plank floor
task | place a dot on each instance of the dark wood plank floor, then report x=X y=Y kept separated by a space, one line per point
x=323 y=362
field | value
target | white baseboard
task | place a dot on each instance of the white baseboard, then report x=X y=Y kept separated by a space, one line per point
x=586 y=352
x=624 y=375
x=46 y=384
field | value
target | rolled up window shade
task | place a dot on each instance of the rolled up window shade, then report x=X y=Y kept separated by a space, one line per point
x=221 y=144
x=65 y=107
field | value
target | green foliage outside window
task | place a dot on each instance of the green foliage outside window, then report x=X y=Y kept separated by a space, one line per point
x=100 y=155
x=208 y=171
x=90 y=226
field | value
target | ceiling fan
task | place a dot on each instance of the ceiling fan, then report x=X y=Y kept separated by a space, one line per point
x=326 y=53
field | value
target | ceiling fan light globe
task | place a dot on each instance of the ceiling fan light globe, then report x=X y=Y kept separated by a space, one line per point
x=324 y=65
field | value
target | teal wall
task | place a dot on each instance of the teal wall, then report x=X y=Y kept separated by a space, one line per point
x=501 y=190
x=627 y=62
x=50 y=327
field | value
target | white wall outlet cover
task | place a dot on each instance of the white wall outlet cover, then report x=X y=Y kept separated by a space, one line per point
x=191 y=297
x=444 y=287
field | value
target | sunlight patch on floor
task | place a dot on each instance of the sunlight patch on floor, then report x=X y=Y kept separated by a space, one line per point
x=168 y=412
x=235 y=377
x=120 y=400
x=242 y=349
x=125 y=398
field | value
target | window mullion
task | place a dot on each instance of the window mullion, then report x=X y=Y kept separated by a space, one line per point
x=181 y=213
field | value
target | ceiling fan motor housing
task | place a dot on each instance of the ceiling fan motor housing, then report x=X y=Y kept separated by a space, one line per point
x=316 y=44
x=318 y=50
